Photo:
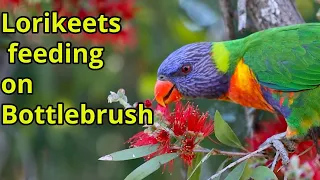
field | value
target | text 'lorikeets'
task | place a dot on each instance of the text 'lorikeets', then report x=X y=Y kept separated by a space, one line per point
x=276 y=70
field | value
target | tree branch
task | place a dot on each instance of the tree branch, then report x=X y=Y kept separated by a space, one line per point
x=226 y=153
x=220 y=152
x=231 y=165
x=227 y=12
x=273 y=13
x=242 y=14
x=275 y=160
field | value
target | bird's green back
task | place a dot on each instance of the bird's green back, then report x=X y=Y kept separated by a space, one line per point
x=285 y=58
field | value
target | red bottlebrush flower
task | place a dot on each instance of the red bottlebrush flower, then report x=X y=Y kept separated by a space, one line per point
x=163 y=111
x=185 y=121
x=160 y=137
x=186 y=151
x=198 y=124
x=189 y=119
x=177 y=120
x=163 y=137
x=142 y=139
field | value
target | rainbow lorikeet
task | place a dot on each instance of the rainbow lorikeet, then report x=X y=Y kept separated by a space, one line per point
x=277 y=70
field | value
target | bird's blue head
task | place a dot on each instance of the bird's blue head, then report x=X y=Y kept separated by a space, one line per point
x=190 y=72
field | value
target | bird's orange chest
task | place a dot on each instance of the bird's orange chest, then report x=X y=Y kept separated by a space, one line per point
x=245 y=90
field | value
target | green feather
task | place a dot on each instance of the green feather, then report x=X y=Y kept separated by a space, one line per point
x=286 y=58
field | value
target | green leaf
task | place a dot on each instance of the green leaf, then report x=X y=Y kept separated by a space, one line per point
x=224 y=133
x=221 y=167
x=263 y=173
x=247 y=172
x=194 y=173
x=132 y=153
x=237 y=172
x=150 y=166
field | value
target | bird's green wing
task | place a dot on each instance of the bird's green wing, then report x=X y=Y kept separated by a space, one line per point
x=286 y=58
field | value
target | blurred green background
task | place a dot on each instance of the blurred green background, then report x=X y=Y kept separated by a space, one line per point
x=71 y=152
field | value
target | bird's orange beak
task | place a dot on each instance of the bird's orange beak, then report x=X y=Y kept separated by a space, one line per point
x=165 y=92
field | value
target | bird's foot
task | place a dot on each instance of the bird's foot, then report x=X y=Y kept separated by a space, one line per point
x=281 y=144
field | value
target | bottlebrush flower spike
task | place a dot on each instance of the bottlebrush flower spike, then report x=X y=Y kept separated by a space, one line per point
x=160 y=137
x=178 y=131
x=188 y=119
x=142 y=139
x=186 y=151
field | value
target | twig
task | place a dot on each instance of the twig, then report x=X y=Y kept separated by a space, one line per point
x=220 y=152
x=227 y=12
x=305 y=151
x=213 y=140
x=275 y=160
x=248 y=156
x=227 y=153
x=242 y=14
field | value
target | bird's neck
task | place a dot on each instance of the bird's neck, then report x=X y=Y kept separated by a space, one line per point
x=243 y=88
x=227 y=54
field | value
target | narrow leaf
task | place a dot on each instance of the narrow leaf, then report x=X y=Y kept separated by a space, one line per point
x=195 y=172
x=237 y=172
x=247 y=172
x=224 y=133
x=221 y=167
x=263 y=173
x=132 y=153
x=150 y=166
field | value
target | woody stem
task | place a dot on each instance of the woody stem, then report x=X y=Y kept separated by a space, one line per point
x=220 y=152
x=248 y=156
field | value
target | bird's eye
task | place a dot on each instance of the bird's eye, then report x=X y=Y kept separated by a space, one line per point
x=186 y=69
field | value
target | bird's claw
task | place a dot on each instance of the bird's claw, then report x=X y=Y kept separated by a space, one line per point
x=275 y=141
